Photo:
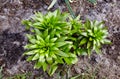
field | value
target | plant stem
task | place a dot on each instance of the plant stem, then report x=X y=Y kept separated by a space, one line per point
x=70 y=9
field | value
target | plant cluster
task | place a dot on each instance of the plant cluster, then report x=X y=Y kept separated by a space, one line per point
x=57 y=39
x=87 y=37
x=49 y=45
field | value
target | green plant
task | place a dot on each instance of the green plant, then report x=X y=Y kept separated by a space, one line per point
x=53 y=21
x=88 y=37
x=75 y=34
x=93 y=35
x=48 y=45
x=56 y=39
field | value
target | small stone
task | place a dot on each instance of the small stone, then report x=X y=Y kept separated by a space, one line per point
x=78 y=70
x=113 y=47
x=119 y=57
x=4 y=23
x=17 y=43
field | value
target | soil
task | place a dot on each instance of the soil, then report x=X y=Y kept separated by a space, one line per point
x=12 y=37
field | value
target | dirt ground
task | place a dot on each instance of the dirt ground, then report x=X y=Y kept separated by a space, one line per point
x=12 y=37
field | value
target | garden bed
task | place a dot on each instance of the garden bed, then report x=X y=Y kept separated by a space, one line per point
x=12 y=38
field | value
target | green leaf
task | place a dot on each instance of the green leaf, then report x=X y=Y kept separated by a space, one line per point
x=105 y=32
x=95 y=29
x=37 y=65
x=90 y=33
x=59 y=60
x=82 y=52
x=62 y=54
x=43 y=60
x=77 y=18
x=53 y=55
x=70 y=9
x=27 y=23
x=89 y=52
x=98 y=43
x=47 y=39
x=97 y=50
x=87 y=24
x=67 y=48
x=89 y=44
x=36 y=57
x=41 y=57
x=61 y=39
x=68 y=61
x=54 y=48
x=40 y=38
x=75 y=77
x=45 y=34
x=84 y=34
x=39 y=15
x=60 y=44
x=83 y=41
x=74 y=60
x=37 y=24
x=37 y=31
x=52 y=4
x=90 y=39
x=100 y=25
x=52 y=33
x=29 y=36
x=31 y=46
x=106 y=41
x=94 y=45
x=38 y=42
x=93 y=1
x=58 y=34
x=72 y=55
x=30 y=58
x=41 y=51
x=29 y=53
x=49 y=60
x=72 y=38
x=44 y=66
x=53 y=68
x=53 y=40
x=33 y=41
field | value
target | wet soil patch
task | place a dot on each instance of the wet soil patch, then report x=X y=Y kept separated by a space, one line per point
x=113 y=50
x=11 y=47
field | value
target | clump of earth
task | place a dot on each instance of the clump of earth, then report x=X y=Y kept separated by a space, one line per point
x=12 y=37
